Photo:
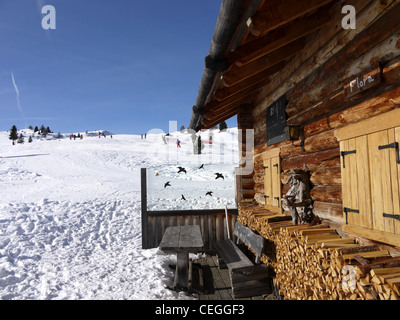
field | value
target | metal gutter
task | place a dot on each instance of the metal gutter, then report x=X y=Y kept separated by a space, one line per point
x=229 y=18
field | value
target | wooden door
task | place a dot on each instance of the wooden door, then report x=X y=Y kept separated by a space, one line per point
x=356 y=191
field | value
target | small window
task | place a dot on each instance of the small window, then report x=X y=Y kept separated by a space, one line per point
x=276 y=121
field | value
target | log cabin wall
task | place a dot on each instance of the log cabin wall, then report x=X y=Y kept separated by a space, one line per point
x=342 y=87
x=298 y=50
x=314 y=82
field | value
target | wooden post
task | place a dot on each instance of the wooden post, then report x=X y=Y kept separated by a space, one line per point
x=181 y=272
x=143 y=176
x=245 y=121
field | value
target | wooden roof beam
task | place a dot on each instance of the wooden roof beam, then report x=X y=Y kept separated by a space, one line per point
x=211 y=123
x=277 y=13
x=225 y=93
x=209 y=116
x=237 y=74
x=279 y=38
x=214 y=107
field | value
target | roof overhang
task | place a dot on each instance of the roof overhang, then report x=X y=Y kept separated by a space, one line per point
x=252 y=41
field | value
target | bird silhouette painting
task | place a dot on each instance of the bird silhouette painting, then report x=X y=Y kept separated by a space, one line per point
x=209 y=193
x=167 y=184
x=181 y=169
x=219 y=175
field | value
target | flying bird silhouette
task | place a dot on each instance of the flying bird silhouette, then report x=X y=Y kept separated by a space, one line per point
x=167 y=184
x=183 y=197
x=219 y=175
x=209 y=193
x=202 y=166
x=181 y=169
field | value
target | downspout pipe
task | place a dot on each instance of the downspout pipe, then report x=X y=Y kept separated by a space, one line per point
x=229 y=17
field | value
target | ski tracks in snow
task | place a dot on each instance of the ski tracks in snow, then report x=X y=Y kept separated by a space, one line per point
x=76 y=250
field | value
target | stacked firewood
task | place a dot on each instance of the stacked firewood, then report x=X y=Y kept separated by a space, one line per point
x=314 y=262
x=258 y=217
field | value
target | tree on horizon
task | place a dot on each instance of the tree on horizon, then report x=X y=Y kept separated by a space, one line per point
x=21 y=138
x=223 y=126
x=13 y=133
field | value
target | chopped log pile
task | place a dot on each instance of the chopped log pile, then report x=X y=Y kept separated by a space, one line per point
x=312 y=262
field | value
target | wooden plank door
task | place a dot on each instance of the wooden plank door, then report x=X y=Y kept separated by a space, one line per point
x=356 y=192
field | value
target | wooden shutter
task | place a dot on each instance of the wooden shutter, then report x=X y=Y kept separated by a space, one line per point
x=371 y=177
x=267 y=182
x=276 y=182
x=385 y=179
x=272 y=181
x=356 y=182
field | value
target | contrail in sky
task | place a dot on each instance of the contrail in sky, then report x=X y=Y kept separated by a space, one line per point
x=18 y=101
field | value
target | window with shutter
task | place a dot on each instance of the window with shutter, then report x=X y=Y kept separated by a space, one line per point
x=276 y=121
x=370 y=168
x=272 y=180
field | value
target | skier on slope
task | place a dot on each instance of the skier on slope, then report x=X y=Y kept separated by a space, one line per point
x=178 y=143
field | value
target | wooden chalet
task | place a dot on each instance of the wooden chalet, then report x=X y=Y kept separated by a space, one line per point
x=323 y=99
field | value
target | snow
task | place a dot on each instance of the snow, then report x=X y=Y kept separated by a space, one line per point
x=70 y=219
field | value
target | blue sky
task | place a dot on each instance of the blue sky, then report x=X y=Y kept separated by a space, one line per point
x=126 y=66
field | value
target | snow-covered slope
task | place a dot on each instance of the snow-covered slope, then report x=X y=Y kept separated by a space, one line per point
x=70 y=211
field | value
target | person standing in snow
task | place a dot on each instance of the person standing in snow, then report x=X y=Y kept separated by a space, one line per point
x=178 y=143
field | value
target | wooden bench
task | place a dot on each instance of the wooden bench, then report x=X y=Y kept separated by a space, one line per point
x=247 y=278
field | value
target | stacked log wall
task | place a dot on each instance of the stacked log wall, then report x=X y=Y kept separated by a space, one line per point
x=313 y=82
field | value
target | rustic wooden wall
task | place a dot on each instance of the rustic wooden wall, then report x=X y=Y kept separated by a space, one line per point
x=213 y=227
x=313 y=82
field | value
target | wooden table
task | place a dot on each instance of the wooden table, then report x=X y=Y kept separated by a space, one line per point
x=182 y=240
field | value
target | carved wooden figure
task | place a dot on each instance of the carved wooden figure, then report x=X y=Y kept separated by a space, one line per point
x=297 y=200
